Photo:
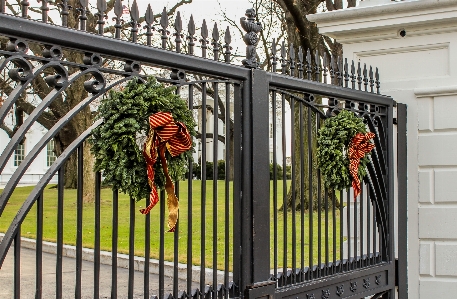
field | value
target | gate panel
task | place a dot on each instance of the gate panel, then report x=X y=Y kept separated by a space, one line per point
x=259 y=223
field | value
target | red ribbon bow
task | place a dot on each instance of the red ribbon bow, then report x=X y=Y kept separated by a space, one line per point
x=360 y=145
x=164 y=134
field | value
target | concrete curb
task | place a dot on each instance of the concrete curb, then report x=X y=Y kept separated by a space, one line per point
x=123 y=261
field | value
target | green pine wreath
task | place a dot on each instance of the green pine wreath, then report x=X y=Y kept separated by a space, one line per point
x=332 y=151
x=118 y=142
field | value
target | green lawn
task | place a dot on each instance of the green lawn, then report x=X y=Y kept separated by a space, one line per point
x=50 y=225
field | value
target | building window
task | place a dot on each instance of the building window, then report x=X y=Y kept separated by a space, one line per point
x=50 y=153
x=19 y=154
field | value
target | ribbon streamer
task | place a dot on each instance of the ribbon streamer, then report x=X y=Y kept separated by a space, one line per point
x=164 y=134
x=359 y=146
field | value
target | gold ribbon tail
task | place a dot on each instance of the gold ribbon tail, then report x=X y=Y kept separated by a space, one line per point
x=172 y=200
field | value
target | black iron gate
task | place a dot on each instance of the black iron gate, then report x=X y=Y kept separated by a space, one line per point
x=259 y=224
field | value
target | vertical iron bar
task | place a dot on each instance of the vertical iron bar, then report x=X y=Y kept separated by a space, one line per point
x=275 y=184
x=189 y=207
x=215 y=178
x=319 y=198
x=203 y=195
x=162 y=246
x=284 y=188
x=39 y=247
x=333 y=194
x=341 y=231
x=228 y=142
x=374 y=236
x=369 y=251
x=292 y=150
x=310 y=194
x=302 y=191
x=114 y=244
x=362 y=194
x=44 y=11
x=237 y=179
x=348 y=226
x=147 y=250
x=79 y=223
x=355 y=232
x=17 y=264
x=98 y=181
x=176 y=251
x=402 y=201
x=60 y=194
x=131 y=248
x=327 y=236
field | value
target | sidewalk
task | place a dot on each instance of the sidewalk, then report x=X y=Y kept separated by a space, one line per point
x=68 y=277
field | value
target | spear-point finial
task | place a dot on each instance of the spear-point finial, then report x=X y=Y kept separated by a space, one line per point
x=149 y=19
x=250 y=38
x=135 y=15
x=101 y=7
x=215 y=42
x=178 y=34
x=164 y=25
x=274 y=59
x=227 y=40
x=204 y=39
x=83 y=14
x=191 y=39
x=300 y=62
x=118 y=8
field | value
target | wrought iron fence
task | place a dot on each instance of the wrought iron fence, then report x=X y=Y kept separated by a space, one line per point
x=247 y=245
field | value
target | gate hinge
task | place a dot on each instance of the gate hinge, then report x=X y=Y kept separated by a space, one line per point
x=260 y=290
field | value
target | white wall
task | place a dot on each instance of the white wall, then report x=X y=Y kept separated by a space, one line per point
x=419 y=69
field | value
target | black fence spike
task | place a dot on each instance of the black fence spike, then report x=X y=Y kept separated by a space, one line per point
x=365 y=78
x=191 y=39
x=82 y=14
x=353 y=74
x=324 y=67
x=118 y=12
x=283 y=58
x=178 y=34
x=44 y=9
x=228 y=40
x=25 y=8
x=340 y=70
x=292 y=59
x=317 y=61
x=101 y=7
x=134 y=12
x=308 y=64
x=215 y=43
x=370 y=74
x=204 y=39
x=332 y=70
x=149 y=19
x=359 y=76
x=378 y=83
x=300 y=62
x=346 y=73
x=135 y=16
x=274 y=58
x=164 y=25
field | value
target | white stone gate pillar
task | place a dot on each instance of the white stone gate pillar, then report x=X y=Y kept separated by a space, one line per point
x=414 y=44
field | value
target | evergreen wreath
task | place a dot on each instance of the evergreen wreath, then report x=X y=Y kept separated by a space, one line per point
x=117 y=143
x=333 y=142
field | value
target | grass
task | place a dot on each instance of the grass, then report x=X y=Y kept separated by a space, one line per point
x=198 y=216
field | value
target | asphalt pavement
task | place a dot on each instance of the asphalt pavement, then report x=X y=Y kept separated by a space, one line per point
x=28 y=278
